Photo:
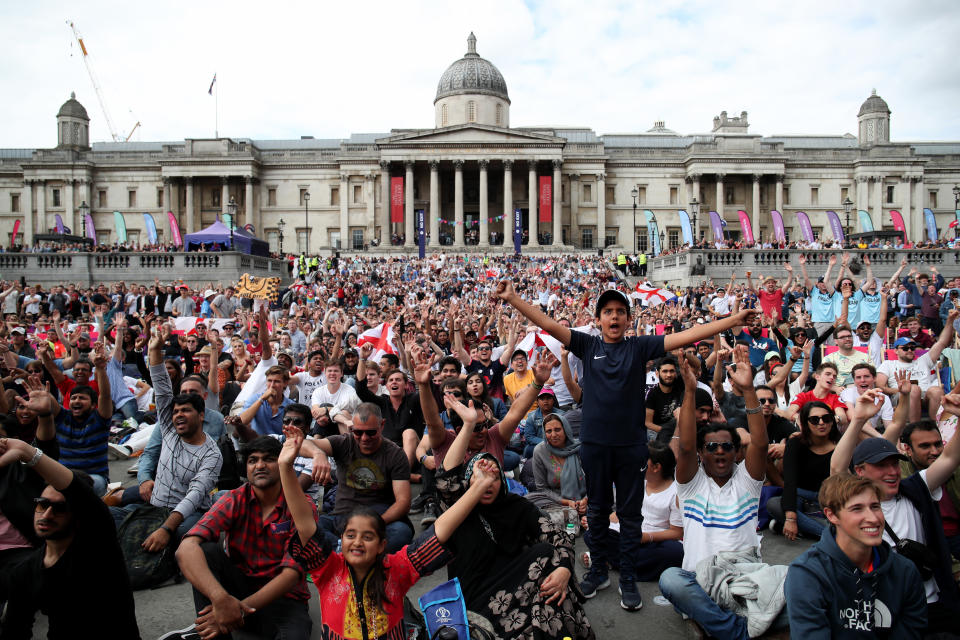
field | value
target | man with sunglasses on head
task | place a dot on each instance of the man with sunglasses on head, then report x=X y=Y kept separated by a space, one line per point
x=371 y=471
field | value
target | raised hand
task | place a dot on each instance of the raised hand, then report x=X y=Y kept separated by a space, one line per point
x=686 y=374
x=952 y=315
x=291 y=446
x=951 y=403
x=833 y=260
x=865 y=260
x=903 y=382
x=467 y=413
x=802 y=259
x=544 y=366
x=739 y=372
x=868 y=404
x=788 y=267
x=796 y=352
x=505 y=290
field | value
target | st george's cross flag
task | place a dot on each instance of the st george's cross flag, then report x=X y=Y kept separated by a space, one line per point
x=381 y=337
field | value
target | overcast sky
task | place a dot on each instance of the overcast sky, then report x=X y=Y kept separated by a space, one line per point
x=329 y=69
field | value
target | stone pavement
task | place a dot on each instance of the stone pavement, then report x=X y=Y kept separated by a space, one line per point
x=171 y=606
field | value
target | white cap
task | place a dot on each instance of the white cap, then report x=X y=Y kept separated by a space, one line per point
x=208 y=293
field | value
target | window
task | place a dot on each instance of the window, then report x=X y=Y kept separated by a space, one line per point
x=133 y=237
x=357 y=194
x=643 y=240
x=728 y=194
x=611 y=238
x=56 y=198
x=786 y=195
x=817 y=233
x=335 y=196
x=160 y=198
x=641 y=195
x=132 y=198
x=271 y=197
x=563 y=192
x=586 y=237
x=471 y=111
x=814 y=196
x=786 y=234
x=15 y=203
x=102 y=198
x=890 y=194
x=334 y=235
x=443 y=115
x=588 y=197
x=933 y=199
x=303 y=238
x=844 y=194
x=611 y=195
x=674 y=194
x=103 y=237
x=303 y=194
x=499 y=115
x=673 y=238
x=215 y=197
x=273 y=239
x=357 y=235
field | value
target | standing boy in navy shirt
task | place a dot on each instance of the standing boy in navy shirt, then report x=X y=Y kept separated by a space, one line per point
x=613 y=436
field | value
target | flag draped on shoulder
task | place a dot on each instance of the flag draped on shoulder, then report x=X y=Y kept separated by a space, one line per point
x=381 y=337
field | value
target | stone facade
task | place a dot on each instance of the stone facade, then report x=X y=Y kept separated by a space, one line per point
x=472 y=170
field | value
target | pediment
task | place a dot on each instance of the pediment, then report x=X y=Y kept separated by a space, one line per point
x=468 y=133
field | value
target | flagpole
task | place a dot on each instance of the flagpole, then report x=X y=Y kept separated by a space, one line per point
x=216 y=108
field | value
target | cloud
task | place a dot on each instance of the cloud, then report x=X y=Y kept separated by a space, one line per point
x=329 y=69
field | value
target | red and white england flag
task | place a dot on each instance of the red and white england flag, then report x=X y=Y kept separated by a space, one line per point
x=540 y=339
x=492 y=274
x=381 y=337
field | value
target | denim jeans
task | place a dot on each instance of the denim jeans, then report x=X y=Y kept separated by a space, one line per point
x=119 y=513
x=680 y=587
x=399 y=533
x=807 y=503
x=511 y=460
x=99 y=484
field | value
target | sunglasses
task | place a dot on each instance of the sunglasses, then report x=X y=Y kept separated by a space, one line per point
x=483 y=348
x=766 y=401
x=297 y=422
x=825 y=419
x=909 y=348
x=59 y=507
x=359 y=433
x=712 y=447
x=455 y=394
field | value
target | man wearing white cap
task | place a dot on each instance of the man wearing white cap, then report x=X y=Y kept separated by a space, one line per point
x=205 y=309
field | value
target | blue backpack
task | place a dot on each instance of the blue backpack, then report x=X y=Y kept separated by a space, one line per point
x=444 y=606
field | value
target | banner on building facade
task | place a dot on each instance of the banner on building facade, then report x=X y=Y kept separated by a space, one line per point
x=517 y=230
x=546 y=199
x=931 y=222
x=778 y=231
x=174 y=229
x=745 y=226
x=58 y=224
x=805 y=227
x=835 y=227
x=396 y=200
x=717 y=225
x=151 y=227
x=685 y=227
x=866 y=222
x=421 y=234
x=91 y=230
x=16 y=230
x=898 y=224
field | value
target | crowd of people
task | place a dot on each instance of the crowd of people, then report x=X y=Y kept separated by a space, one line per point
x=384 y=418
x=825 y=243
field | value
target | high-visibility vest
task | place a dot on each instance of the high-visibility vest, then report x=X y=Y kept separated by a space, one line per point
x=621 y=259
x=642 y=258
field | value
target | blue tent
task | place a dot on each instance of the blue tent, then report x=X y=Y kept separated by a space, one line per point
x=244 y=241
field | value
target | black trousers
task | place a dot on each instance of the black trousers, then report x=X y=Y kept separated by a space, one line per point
x=282 y=619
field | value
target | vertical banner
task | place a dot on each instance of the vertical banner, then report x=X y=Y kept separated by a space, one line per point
x=16 y=230
x=685 y=227
x=174 y=229
x=745 y=226
x=121 y=226
x=898 y=224
x=91 y=230
x=396 y=200
x=546 y=199
x=835 y=227
x=866 y=222
x=717 y=224
x=421 y=234
x=931 y=221
x=805 y=226
x=778 y=230
x=517 y=230
x=151 y=228
x=59 y=224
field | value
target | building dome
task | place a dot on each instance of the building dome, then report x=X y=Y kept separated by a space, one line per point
x=472 y=74
x=73 y=109
x=874 y=104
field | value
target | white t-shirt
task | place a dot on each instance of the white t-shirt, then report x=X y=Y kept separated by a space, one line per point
x=307 y=384
x=345 y=398
x=849 y=397
x=718 y=518
x=921 y=370
x=905 y=521
x=660 y=510
x=874 y=347
x=722 y=304
x=31 y=304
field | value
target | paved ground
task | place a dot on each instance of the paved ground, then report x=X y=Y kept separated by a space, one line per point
x=171 y=607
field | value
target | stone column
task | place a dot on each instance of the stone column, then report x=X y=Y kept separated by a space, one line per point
x=695 y=187
x=29 y=221
x=484 y=206
x=224 y=196
x=458 y=203
x=173 y=205
x=533 y=224
x=862 y=201
x=434 y=203
x=370 y=193
x=385 y=233
x=249 y=215
x=556 y=194
x=720 y=177
x=602 y=210
x=575 y=239
x=778 y=197
x=507 y=203
x=922 y=201
x=167 y=199
x=755 y=213
x=914 y=227
x=344 y=211
x=878 y=202
x=191 y=206
x=408 y=206
x=68 y=207
x=41 y=206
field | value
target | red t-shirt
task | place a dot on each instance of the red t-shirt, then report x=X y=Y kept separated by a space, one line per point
x=67 y=385
x=832 y=400
x=771 y=303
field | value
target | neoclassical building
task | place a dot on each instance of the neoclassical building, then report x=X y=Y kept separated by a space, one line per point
x=472 y=171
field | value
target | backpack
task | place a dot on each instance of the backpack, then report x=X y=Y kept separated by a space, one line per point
x=146 y=569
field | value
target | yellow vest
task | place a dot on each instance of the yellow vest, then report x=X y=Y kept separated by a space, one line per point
x=621 y=259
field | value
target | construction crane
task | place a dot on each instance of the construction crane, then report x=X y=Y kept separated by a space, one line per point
x=96 y=85
x=130 y=135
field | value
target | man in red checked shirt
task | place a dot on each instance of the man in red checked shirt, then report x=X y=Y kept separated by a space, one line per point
x=258 y=586
x=771 y=298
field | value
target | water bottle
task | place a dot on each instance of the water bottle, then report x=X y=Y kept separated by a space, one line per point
x=571 y=530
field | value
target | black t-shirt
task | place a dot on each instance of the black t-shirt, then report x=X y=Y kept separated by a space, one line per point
x=492 y=374
x=779 y=428
x=663 y=403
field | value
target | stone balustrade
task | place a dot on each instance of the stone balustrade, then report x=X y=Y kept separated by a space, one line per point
x=87 y=269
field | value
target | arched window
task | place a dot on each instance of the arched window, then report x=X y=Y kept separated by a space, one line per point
x=471 y=111
x=443 y=115
x=499 y=114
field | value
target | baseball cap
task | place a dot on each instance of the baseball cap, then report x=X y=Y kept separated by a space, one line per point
x=703 y=398
x=208 y=293
x=84 y=336
x=19 y=330
x=518 y=352
x=286 y=352
x=865 y=322
x=771 y=356
x=546 y=391
x=612 y=294
x=874 y=450
x=902 y=341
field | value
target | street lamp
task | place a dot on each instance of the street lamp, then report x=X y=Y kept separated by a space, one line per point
x=956 y=206
x=232 y=210
x=306 y=222
x=847 y=206
x=661 y=242
x=84 y=211
x=280 y=226
x=695 y=209
x=635 y=193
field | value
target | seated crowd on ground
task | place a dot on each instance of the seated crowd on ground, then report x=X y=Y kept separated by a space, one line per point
x=384 y=418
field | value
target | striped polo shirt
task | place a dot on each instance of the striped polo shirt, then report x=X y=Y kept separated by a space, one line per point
x=83 y=446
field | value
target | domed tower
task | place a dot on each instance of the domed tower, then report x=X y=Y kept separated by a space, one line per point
x=472 y=90
x=873 y=121
x=73 y=125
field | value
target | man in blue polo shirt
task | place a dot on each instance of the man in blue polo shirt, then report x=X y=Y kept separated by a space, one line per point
x=613 y=434
x=263 y=415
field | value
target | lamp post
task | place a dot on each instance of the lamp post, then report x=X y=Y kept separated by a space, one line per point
x=695 y=209
x=635 y=193
x=847 y=206
x=306 y=222
x=84 y=210
x=661 y=242
x=280 y=226
x=232 y=210
x=956 y=206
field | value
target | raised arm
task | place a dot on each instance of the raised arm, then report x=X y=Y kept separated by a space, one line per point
x=703 y=331
x=687 y=426
x=945 y=336
x=525 y=397
x=511 y=342
x=742 y=379
x=104 y=403
x=296 y=500
x=264 y=334
x=506 y=293
x=807 y=282
x=868 y=405
x=423 y=376
x=789 y=283
x=572 y=385
x=486 y=473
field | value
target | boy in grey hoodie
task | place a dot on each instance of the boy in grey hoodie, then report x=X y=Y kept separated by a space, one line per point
x=851 y=584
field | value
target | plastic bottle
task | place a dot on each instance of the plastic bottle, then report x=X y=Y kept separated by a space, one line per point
x=571 y=530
